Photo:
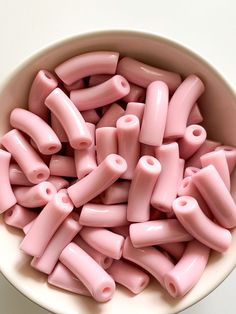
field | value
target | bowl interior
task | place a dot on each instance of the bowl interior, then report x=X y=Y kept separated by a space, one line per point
x=219 y=111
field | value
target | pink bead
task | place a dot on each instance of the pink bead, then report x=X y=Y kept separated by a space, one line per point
x=70 y=119
x=90 y=63
x=58 y=129
x=194 y=137
x=136 y=93
x=135 y=108
x=17 y=176
x=157 y=232
x=149 y=258
x=63 y=278
x=230 y=154
x=155 y=113
x=76 y=85
x=188 y=271
x=195 y=116
x=109 y=170
x=147 y=150
x=145 y=176
x=110 y=117
x=174 y=249
x=128 y=128
x=129 y=276
x=190 y=171
x=98 y=79
x=166 y=187
x=106 y=142
x=104 y=241
x=63 y=236
x=99 y=215
x=46 y=224
x=29 y=161
x=18 y=216
x=58 y=182
x=43 y=84
x=181 y=171
x=42 y=134
x=97 y=281
x=217 y=196
x=142 y=74
x=90 y=116
x=122 y=230
x=27 y=227
x=36 y=195
x=117 y=193
x=181 y=104
x=63 y=166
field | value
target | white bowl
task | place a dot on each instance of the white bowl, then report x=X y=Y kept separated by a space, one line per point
x=219 y=111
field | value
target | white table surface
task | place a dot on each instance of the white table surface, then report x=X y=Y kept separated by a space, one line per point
x=208 y=27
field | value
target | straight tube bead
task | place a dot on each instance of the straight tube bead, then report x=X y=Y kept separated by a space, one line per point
x=18 y=216
x=28 y=226
x=230 y=154
x=17 y=177
x=106 y=142
x=110 y=117
x=135 y=108
x=63 y=166
x=117 y=193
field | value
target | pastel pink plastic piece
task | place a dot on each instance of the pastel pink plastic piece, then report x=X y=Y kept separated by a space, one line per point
x=230 y=154
x=100 y=95
x=106 y=142
x=29 y=161
x=63 y=236
x=181 y=171
x=98 y=79
x=58 y=129
x=217 y=196
x=103 y=260
x=189 y=171
x=42 y=134
x=48 y=221
x=110 y=117
x=109 y=170
x=63 y=278
x=149 y=258
x=18 y=216
x=136 y=93
x=129 y=276
x=58 y=182
x=90 y=63
x=17 y=176
x=90 y=116
x=194 y=137
x=166 y=187
x=147 y=150
x=63 y=166
x=97 y=281
x=195 y=116
x=128 y=130
x=199 y=226
x=188 y=271
x=122 y=230
x=145 y=177
x=36 y=195
x=70 y=118
x=181 y=104
x=135 y=108
x=174 y=249
x=43 y=84
x=27 y=227
x=142 y=74
x=155 y=114
x=104 y=241
x=99 y=215
x=76 y=85
x=117 y=193
x=157 y=232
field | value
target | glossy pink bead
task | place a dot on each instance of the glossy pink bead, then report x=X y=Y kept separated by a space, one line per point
x=58 y=129
x=63 y=166
x=110 y=117
x=90 y=116
x=27 y=227
x=17 y=176
x=195 y=116
x=136 y=93
x=76 y=85
x=58 y=182
x=189 y=171
x=117 y=193
x=181 y=171
x=106 y=142
x=135 y=108
x=174 y=249
x=18 y=216
x=230 y=154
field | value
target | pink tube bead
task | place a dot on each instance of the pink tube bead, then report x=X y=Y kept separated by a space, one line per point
x=109 y=170
x=100 y=95
x=63 y=278
x=98 y=79
x=17 y=176
x=189 y=171
x=106 y=142
x=29 y=161
x=194 y=137
x=90 y=116
x=181 y=171
x=70 y=118
x=63 y=166
x=219 y=161
x=158 y=232
x=147 y=150
x=36 y=195
x=103 y=260
x=62 y=237
x=117 y=193
x=188 y=271
x=149 y=258
x=104 y=241
x=174 y=249
x=58 y=129
x=99 y=215
x=122 y=230
x=166 y=187
x=230 y=154
x=195 y=116
x=90 y=63
x=217 y=196
x=155 y=114
x=181 y=104
x=129 y=276
x=42 y=134
x=27 y=227
x=76 y=85
x=142 y=74
x=18 y=216
x=136 y=93
x=145 y=176
x=43 y=84
x=111 y=116
x=135 y=108
x=128 y=130
x=199 y=225
x=7 y=197
x=58 y=182
x=50 y=218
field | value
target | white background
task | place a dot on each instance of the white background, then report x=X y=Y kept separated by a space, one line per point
x=208 y=27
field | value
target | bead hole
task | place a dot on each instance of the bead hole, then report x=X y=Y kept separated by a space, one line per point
x=40 y=176
x=128 y=119
x=197 y=132
x=182 y=203
x=150 y=162
x=172 y=288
